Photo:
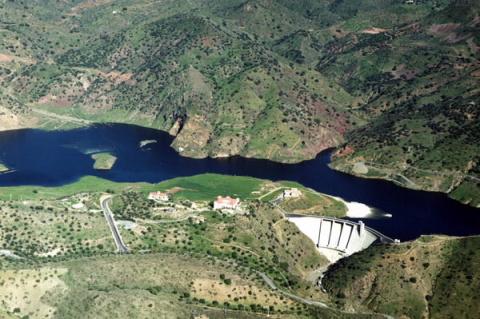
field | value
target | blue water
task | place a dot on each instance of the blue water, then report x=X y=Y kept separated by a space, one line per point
x=61 y=157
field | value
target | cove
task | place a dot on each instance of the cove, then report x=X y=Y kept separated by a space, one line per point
x=55 y=158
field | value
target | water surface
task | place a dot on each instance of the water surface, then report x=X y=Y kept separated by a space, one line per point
x=54 y=158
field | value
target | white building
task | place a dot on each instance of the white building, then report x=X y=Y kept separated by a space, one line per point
x=293 y=192
x=226 y=202
x=158 y=196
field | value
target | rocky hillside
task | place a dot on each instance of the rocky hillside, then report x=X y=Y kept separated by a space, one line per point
x=422 y=96
x=193 y=70
x=431 y=277
x=396 y=83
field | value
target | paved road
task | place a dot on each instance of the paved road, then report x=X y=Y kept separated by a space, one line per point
x=121 y=247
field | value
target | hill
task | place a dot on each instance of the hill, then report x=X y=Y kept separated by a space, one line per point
x=186 y=260
x=421 y=91
x=394 y=83
x=431 y=277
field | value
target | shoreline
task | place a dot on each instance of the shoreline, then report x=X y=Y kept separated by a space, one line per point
x=413 y=186
x=330 y=164
x=91 y=123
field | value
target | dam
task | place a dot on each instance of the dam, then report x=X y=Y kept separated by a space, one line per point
x=337 y=238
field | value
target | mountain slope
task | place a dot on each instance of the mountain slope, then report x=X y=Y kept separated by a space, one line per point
x=395 y=84
x=221 y=92
x=422 y=94
x=431 y=277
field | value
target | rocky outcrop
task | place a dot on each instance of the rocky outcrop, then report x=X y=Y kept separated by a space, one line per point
x=176 y=127
x=192 y=139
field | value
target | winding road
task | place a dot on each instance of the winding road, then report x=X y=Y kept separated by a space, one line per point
x=121 y=247
x=312 y=302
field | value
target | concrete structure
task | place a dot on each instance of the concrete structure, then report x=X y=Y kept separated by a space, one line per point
x=337 y=238
x=226 y=202
x=158 y=196
x=293 y=192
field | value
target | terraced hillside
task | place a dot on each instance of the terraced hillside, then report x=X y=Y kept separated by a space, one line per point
x=395 y=83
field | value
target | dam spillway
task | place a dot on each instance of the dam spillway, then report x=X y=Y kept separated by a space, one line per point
x=336 y=238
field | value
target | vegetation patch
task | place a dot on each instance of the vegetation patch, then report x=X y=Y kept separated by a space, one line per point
x=313 y=203
x=103 y=161
x=412 y=278
x=3 y=168
x=37 y=229
x=23 y=290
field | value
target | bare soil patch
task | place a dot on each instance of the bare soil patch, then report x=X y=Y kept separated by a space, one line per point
x=345 y=151
x=476 y=73
x=90 y=4
x=9 y=120
x=442 y=29
x=10 y=58
x=472 y=46
x=474 y=22
x=23 y=289
x=375 y=30
x=455 y=38
x=360 y=168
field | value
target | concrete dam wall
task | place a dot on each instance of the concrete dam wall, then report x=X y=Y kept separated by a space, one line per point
x=336 y=238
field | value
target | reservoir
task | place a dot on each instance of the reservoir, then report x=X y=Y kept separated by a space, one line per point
x=55 y=158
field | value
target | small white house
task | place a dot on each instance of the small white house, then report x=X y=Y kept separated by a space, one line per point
x=226 y=202
x=293 y=192
x=158 y=196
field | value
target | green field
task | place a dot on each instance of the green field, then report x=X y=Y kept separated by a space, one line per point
x=199 y=187
x=312 y=203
